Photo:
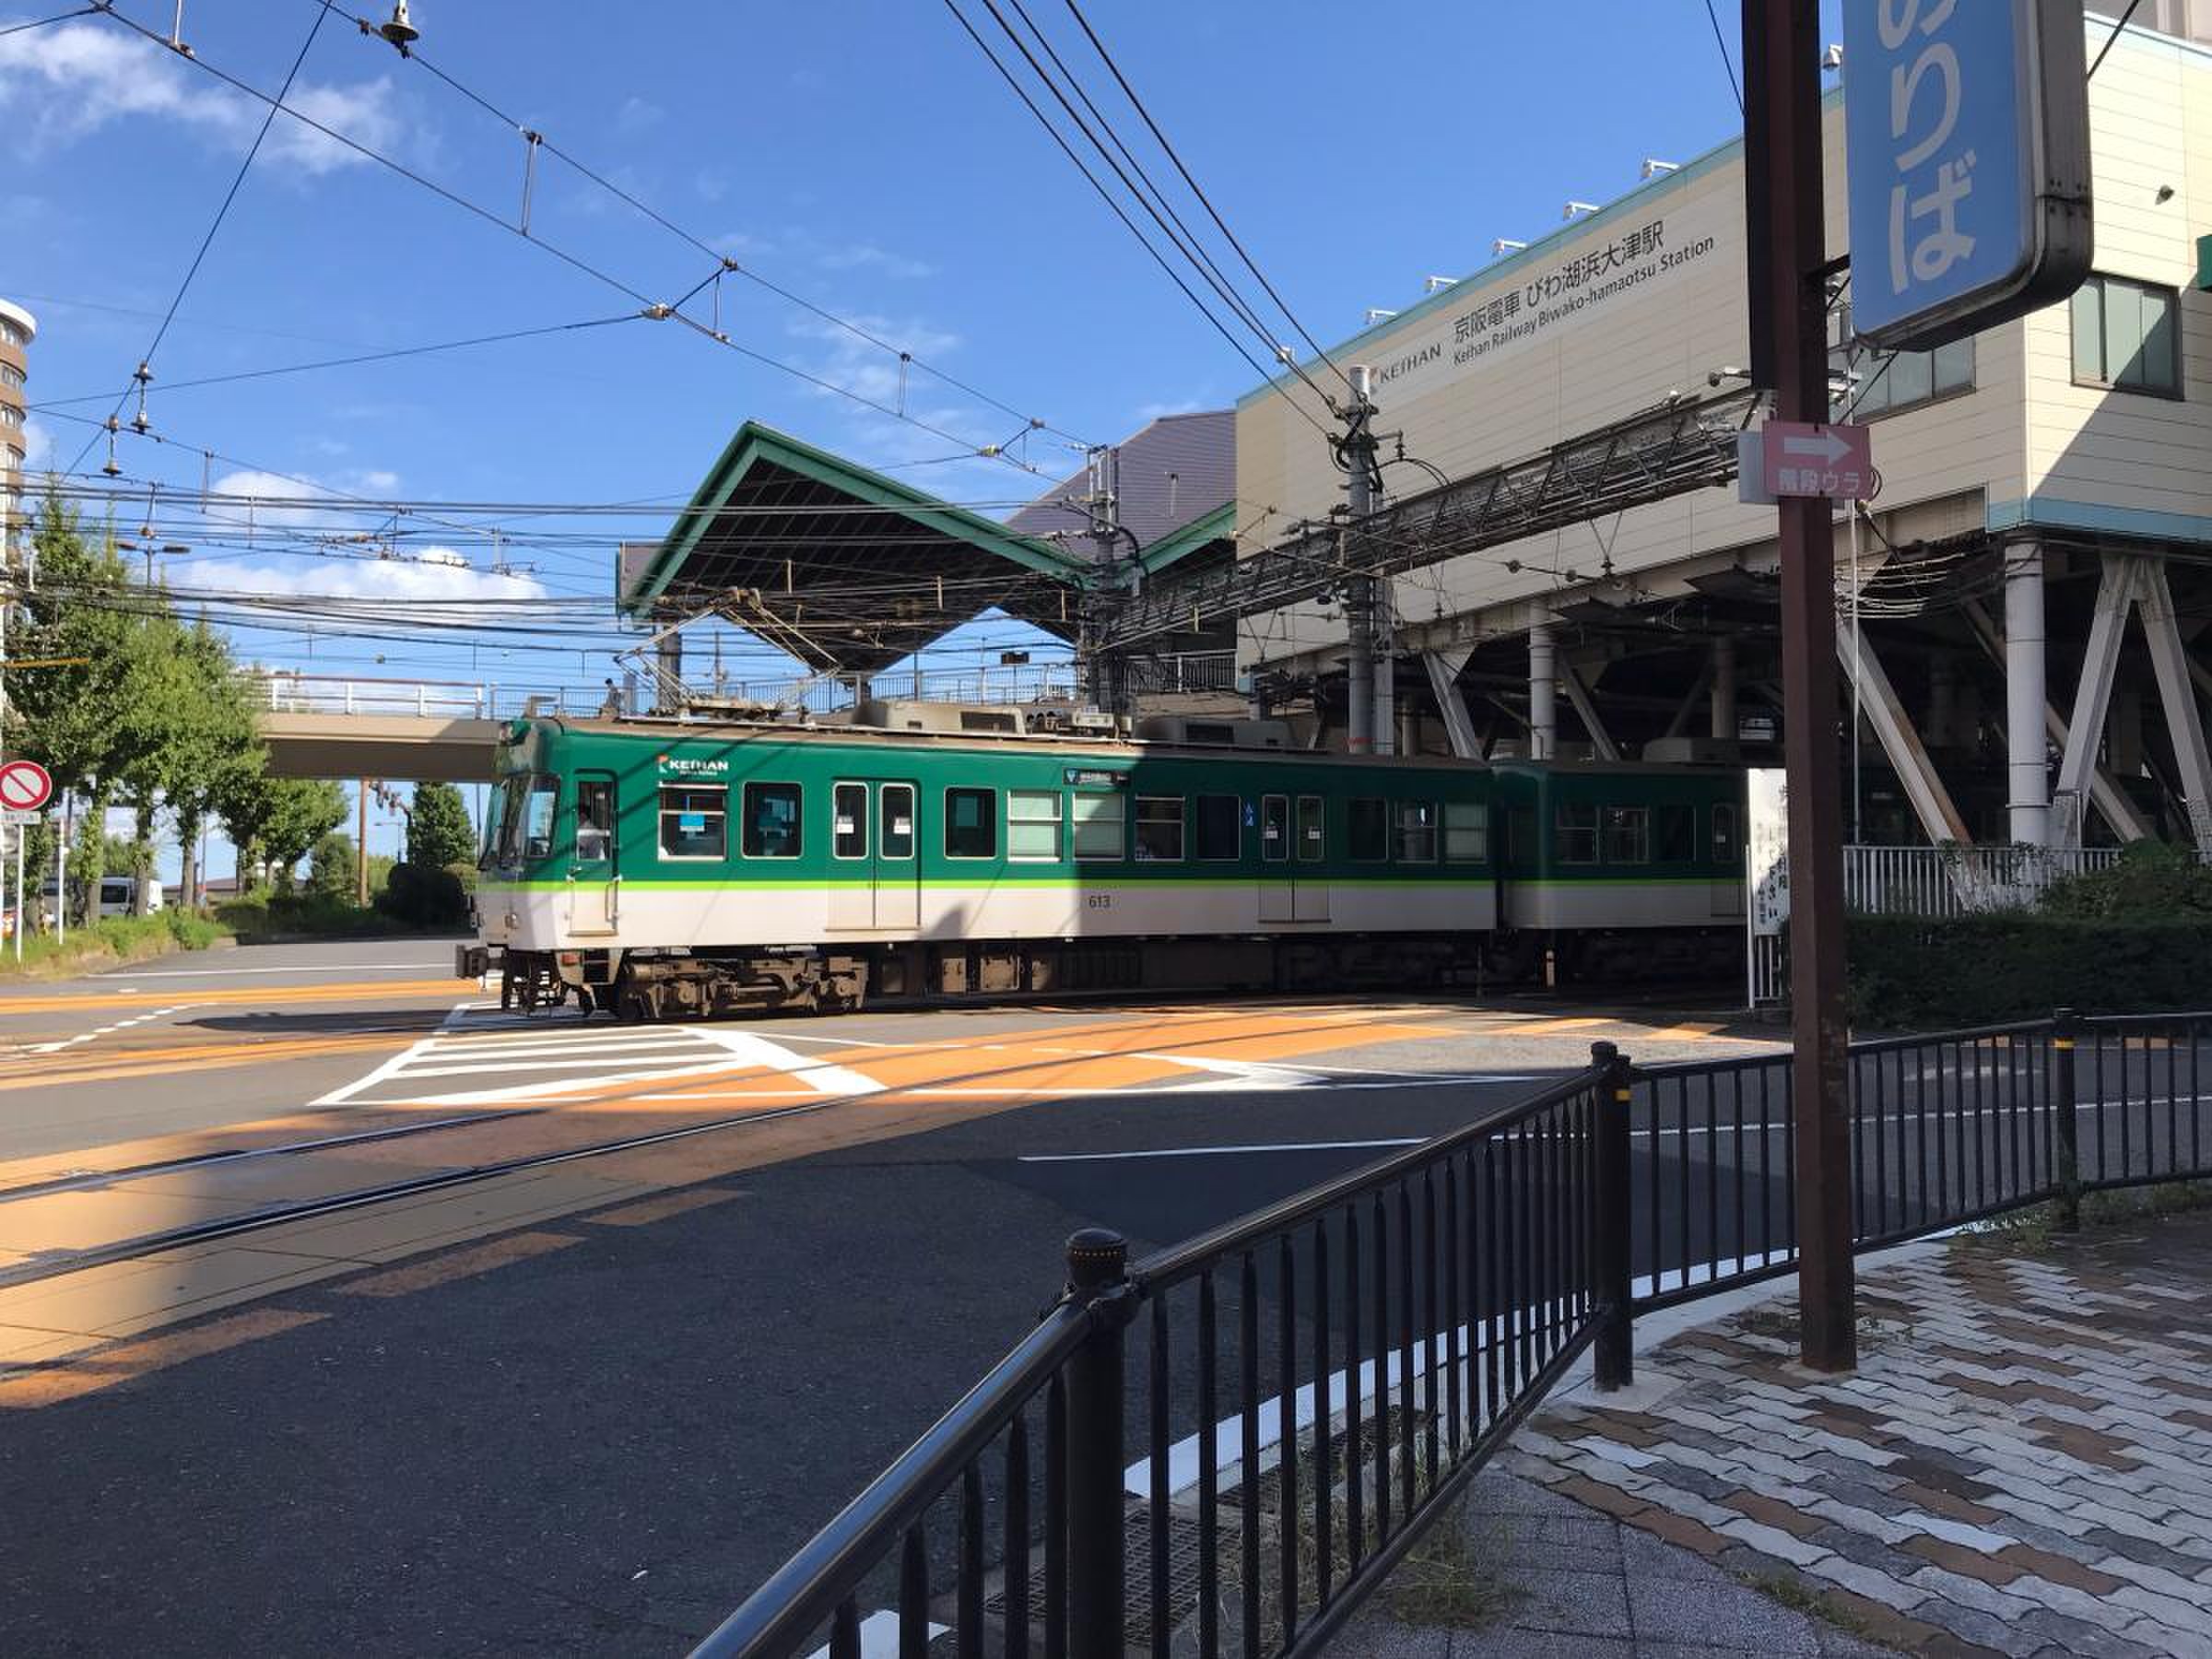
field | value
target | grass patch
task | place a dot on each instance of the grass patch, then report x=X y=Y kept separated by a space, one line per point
x=2035 y=1231
x=109 y=941
x=1445 y=1582
x=1799 y=1596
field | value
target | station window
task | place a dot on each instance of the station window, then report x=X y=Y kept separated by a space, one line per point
x=1904 y=380
x=771 y=820
x=1726 y=849
x=1628 y=835
x=537 y=818
x=1367 y=831
x=1034 y=824
x=1416 y=832
x=971 y=823
x=1467 y=831
x=2127 y=335
x=849 y=820
x=1220 y=828
x=1677 y=835
x=595 y=820
x=692 y=821
x=1160 y=829
x=1099 y=823
x=1312 y=836
x=1577 y=834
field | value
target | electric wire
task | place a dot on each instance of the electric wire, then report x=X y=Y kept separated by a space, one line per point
x=2112 y=40
x=44 y=22
x=650 y=307
x=1119 y=212
x=207 y=241
x=1727 y=62
x=723 y=263
x=1138 y=104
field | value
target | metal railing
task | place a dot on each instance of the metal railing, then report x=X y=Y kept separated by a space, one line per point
x=282 y=691
x=1953 y=881
x=1308 y=1384
x=1311 y=1384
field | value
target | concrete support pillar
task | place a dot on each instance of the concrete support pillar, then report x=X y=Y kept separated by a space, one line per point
x=1443 y=668
x=2029 y=798
x=1723 y=690
x=1385 y=705
x=1543 y=694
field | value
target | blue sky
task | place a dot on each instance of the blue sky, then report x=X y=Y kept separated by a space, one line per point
x=860 y=153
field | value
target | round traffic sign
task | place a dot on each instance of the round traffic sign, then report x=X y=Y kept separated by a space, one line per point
x=25 y=786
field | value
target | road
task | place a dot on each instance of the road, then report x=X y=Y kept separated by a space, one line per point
x=584 y=1406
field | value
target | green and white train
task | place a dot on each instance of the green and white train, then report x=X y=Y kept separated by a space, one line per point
x=656 y=867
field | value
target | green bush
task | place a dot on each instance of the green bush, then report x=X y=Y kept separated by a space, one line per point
x=263 y=915
x=1915 y=973
x=425 y=897
x=2153 y=881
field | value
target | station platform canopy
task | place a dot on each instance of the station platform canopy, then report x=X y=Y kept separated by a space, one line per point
x=846 y=569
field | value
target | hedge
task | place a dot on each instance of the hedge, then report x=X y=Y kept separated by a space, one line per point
x=1914 y=973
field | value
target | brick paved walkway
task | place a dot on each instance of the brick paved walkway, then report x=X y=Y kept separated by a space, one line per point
x=2022 y=1464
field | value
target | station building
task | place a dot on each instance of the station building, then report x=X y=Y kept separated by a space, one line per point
x=2029 y=592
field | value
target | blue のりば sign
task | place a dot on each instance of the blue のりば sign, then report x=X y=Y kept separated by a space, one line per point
x=1967 y=129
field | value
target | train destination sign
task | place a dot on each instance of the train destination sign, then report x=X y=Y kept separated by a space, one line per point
x=1967 y=133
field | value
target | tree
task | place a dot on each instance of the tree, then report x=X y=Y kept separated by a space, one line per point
x=301 y=812
x=332 y=869
x=439 y=833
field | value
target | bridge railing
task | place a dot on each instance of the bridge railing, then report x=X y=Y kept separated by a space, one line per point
x=1306 y=1389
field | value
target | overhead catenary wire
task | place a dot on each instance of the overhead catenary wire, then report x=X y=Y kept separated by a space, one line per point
x=653 y=308
x=1121 y=213
x=207 y=241
x=1727 y=62
x=2112 y=40
x=725 y=263
x=47 y=22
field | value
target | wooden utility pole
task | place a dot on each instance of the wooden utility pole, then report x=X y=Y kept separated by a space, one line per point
x=1784 y=204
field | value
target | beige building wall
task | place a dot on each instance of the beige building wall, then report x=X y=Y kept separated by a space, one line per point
x=18 y=328
x=1965 y=462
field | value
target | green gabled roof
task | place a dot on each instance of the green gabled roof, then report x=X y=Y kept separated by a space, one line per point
x=757 y=449
x=1214 y=526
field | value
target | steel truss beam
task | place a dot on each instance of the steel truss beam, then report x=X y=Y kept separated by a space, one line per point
x=1680 y=446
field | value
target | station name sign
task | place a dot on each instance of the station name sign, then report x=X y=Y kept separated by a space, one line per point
x=1502 y=319
x=1967 y=131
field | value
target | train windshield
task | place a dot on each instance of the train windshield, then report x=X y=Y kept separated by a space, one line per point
x=526 y=826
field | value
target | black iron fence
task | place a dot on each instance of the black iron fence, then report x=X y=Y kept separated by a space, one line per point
x=1222 y=1449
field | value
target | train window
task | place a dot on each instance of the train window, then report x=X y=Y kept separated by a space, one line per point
x=1628 y=835
x=1220 y=828
x=1416 y=831
x=1312 y=831
x=537 y=818
x=1275 y=828
x=1467 y=831
x=1577 y=834
x=1678 y=834
x=692 y=821
x=1099 y=823
x=1160 y=829
x=1033 y=823
x=971 y=823
x=1367 y=831
x=771 y=820
x=895 y=805
x=1726 y=849
x=849 y=820
x=595 y=820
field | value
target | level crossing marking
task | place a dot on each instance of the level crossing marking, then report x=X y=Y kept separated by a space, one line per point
x=106 y=1031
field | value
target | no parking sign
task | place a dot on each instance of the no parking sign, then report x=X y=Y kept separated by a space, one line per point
x=25 y=786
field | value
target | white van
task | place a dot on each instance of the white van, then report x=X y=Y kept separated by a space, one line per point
x=118 y=897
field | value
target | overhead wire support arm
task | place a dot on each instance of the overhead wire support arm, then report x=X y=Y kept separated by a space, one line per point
x=1677 y=447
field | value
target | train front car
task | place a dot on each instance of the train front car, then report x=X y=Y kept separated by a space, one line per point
x=525 y=903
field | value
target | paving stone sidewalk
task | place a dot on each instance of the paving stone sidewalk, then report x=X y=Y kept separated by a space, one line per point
x=2022 y=1464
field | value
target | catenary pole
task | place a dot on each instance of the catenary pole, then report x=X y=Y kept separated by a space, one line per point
x=1359 y=591
x=1784 y=203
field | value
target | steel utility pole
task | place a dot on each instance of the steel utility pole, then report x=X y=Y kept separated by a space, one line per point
x=1785 y=222
x=1356 y=450
x=1105 y=506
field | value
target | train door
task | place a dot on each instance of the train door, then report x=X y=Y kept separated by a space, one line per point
x=876 y=881
x=594 y=885
x=1278 y=886
x=1309 y=887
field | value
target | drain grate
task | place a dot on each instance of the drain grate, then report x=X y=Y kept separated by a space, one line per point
x=1137 y=1575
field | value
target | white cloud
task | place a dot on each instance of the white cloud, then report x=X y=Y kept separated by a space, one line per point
x=1148 y=413
x=868 y=370
x=432 y=573
x=63 y=84
x=37 y=441
x=868 y=256
x=637 y=114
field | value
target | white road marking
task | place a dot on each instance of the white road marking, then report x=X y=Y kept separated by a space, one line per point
x=752 y=1050
x=879 y=1637
x=106 y=1031
x=334 y=967
x=1356 y=1146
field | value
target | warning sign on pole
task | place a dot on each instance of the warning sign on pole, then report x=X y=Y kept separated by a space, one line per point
x=25 y=786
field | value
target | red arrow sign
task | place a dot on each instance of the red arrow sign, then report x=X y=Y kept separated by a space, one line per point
x=25 y=786
x=1803 y=458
